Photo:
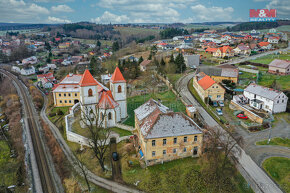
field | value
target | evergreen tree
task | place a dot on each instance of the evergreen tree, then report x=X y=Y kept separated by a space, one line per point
x=162 y=63
x=99 y=43
x=93 y=66
x=150 y=56
x=180 y=63
x=115 y=46
x=140 y=60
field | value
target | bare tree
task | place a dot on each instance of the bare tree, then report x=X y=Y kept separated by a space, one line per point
x=99 y=135
x=217 y=163
x=80 y=164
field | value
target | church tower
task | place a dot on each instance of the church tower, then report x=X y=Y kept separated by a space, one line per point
x=88 y=94
x=118 y=87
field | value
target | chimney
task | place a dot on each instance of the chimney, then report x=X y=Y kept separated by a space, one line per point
x=70 y=74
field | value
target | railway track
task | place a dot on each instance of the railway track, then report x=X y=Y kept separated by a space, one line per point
x=46 y=178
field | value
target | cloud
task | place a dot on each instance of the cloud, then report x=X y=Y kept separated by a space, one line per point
x=282 y=6
x=62 y=8
x=53 y=1
x=203 y=13
x=147 y=10
x=20 y=11
x=57 y=20
x=108 y=17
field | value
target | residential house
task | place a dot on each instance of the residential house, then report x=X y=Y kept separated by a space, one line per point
x=225 y=51
x=27 y=71
x=268 y=99
x=273 y=30
x=206 y=87
x=279 y=67
x=184 y=48
x=211 y=50
x=144 y=65
x=51 y=66
x=265 y=45
x=273 y=40
x=31 y=60
x=164 y=135
x=242 y=50
x=46 y=80
x=220 y=73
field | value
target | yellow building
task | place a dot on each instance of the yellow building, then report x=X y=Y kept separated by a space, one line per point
x=164 y=135
x=206 y=87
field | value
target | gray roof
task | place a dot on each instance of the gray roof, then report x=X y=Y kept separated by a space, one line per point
x=218 y=71
x=149 y=107
x=172 y=124
x=265 y=92
x=280 y=63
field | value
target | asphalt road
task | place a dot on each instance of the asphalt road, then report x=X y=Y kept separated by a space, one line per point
x=255 y=176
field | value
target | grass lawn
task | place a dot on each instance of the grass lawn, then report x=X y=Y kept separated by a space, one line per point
x=269 y=58
x=267 y=79
x=276 y=141
x=58 y=120
x=121 y=132
x=173 y=78
x=279 y=169
x=8 y=167
x=168 y=99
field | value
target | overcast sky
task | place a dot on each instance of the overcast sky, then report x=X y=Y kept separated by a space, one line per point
x=135 y=11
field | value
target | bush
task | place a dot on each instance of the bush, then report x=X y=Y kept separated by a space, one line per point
x=59 y=112
x=52 y=114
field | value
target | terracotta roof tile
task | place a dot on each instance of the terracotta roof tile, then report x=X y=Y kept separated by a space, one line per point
x=206 y=82
x=117 y=76
x=88 y=79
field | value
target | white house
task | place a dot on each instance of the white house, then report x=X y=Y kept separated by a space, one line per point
x=51 y=66
x=273 y=30
x=27 y=71
x=267 y=99
x=15 y=69
x=30 y=60
x=273 y=40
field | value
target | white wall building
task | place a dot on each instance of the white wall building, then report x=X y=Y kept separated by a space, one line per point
x=191 y=60
x=27 y=71
x=267 y=99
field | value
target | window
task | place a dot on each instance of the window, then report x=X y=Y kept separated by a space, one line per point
x=76 y=94
x=195 y=138
x=65 y=101
x=184 y=149
x=102 y=116
x=185 y=139
x=59 y=94
x=218 y=96
x=110 y=116
x=277 y=102
x=119 y=89
x=69 y=101
x=64 y=94
x=69 y=94
x=153 y=153
x=60 y=101
x=153 y=142
x=282 y=101
x=164 y=141
x=164 y=152
x=90 y=92
x=174 y=150
x=175 y=140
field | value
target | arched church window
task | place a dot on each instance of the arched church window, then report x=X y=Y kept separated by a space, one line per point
x=90 y=92
x=110 y=116
x=119 y=89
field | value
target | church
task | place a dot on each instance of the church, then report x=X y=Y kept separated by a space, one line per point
x=94 y=98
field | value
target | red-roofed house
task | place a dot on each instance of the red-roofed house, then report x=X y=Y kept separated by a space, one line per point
x=225 y=51
x=206 y=87
x=273 y=40
x=47 y=80
x=265 y=45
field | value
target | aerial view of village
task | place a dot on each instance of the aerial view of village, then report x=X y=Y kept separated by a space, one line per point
x=144 y=96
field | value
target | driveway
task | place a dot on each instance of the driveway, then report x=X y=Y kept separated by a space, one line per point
x=255 y=176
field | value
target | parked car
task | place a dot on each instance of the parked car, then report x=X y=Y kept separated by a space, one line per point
x=215 y=104
x=242 y=116
x=219 y=111
x=115 y=156
x=221 y=103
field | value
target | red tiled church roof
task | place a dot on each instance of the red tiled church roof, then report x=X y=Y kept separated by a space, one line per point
x=88 y=79
x=117 y=76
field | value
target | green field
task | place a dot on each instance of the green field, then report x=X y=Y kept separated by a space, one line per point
x=276 y=141
x=168 y=99
x=173 y=78
x=135 y=31
x=269 y=58
x=279 y=169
